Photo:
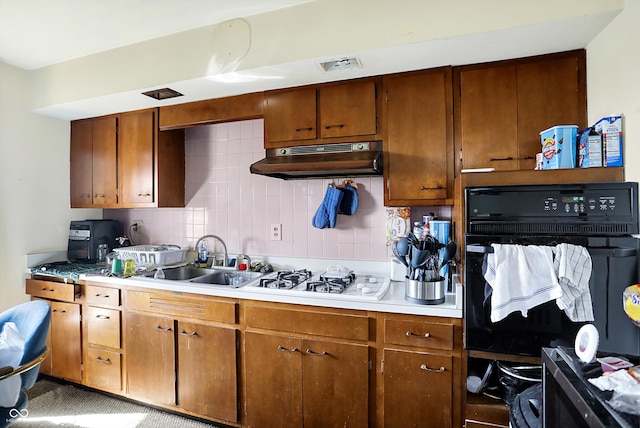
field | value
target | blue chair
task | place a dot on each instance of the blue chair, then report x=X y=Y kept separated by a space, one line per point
x=32 y=320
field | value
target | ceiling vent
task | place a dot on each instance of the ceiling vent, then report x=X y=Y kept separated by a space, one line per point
x=341 y=64
x=162 y=94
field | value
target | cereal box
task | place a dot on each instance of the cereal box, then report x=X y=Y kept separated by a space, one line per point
x=611 y=129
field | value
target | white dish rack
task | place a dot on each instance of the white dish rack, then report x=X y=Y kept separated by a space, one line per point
x=156 y=255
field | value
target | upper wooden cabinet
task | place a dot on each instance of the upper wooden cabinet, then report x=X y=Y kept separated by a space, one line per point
x=124 y=161
x=240 y=107
x=322 y=114
x=419 y=138
x=93 y=162
x=502 y=107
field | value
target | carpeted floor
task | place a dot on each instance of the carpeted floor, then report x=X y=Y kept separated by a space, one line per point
x=53 y=404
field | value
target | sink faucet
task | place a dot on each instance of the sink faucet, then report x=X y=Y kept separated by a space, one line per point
x=225 y=262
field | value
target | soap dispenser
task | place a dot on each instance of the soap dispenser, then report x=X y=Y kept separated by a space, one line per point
x=203 y=255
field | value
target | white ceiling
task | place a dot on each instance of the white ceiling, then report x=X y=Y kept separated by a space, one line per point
x=37 y=33
x=386 y=35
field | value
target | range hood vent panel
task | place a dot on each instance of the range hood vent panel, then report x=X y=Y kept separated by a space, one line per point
x=322 y=161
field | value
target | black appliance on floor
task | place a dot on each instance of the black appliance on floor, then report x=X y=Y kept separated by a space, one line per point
x=598 y=216
x=86 y=235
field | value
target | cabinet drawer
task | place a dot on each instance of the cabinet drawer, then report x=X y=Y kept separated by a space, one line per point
x=416 y=333
x=52 y=290
x=347 y=326
x=164 y=304
x=102 y=296
x=103 y=369
x=103 y=326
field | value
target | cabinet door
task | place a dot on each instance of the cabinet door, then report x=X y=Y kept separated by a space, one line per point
x=207 y=370
x=150 y=358
x=550 y=93
x=418 y=389
x=488 y=115
x=103 y=326
x=289 y=116
x=348 y=109
x=105 y=180
x=104 y=369
x=66 y=341
x=136 y=158
x=81 y=163
x=335 y=388
x=419 y=152
x=273 y=370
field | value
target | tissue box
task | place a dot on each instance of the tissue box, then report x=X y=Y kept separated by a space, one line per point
x=559 y=147
x=611 y=130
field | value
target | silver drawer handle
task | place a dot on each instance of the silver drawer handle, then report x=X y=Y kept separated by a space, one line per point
x=100 y=360
x=282 y=348
x=311 y=352
x=440 y=370
x=409 y=334
x=103 y=317
x=184 y=333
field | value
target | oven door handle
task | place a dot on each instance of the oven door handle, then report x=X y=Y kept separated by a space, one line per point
x=593 y=251
x=482 y=249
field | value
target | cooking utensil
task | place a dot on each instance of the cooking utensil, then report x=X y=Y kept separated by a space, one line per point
x=400 y=249
x=449 y=253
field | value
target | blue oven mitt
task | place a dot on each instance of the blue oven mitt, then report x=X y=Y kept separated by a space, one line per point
x=349 y=203
x=328 y=211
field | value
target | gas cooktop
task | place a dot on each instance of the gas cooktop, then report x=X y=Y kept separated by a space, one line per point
x=336 y=282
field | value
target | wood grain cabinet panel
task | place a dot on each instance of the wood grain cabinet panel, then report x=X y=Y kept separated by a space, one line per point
x=151 y=364
x=102 y=296
x=66 y=341
x=290 y=115
x=318 y=383
x=103 y=327
x=419 y=165
x=418 y=389
x=104 y=369
x=418 y=333
x=348 y=109
x=207 y=373
x=502 y=107
x=94 y=162
x=52 y=290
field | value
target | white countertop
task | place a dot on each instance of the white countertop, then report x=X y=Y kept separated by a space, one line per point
x=393 y=300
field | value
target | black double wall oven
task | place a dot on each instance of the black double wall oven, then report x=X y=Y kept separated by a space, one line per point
x=598 y=216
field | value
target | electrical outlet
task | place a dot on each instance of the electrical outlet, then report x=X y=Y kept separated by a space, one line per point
x=276 y=232
x=137 y=225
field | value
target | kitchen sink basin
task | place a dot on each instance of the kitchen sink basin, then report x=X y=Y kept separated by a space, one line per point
x=183 y=273
x=214 y=276
x=234 y=279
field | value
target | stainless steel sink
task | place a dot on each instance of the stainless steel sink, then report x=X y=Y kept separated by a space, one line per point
x=233 y=279
x=214 y=276
x=183 y=273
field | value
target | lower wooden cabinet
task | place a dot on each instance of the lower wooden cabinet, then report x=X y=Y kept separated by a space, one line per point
x=421 y=362
x=64 y=360
x=151 y=367
x=66 y=341
x=187 y=365
x=418 y=389
x=103 y=369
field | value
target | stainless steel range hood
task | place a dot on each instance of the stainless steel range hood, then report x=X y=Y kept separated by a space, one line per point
x=322 y=161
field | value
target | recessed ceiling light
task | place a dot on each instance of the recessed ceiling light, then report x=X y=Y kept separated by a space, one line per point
x=162 y=94
x=341 y=64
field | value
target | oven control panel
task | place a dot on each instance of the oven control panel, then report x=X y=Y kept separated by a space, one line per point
x=599 y=205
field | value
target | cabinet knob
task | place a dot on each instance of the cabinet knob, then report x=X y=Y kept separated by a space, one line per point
x=409 y=334
x=440 y=370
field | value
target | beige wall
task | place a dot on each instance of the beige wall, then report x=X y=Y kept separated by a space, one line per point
x=613 y=80
x=34 y=185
